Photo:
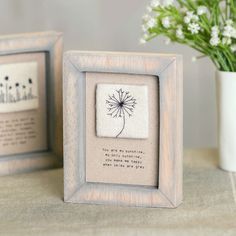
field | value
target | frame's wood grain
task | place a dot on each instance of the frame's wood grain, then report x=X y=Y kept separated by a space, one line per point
x=50 y=43
x=168 y=69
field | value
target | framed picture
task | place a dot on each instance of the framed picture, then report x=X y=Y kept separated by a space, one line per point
x=123 y=129
x=30 y=102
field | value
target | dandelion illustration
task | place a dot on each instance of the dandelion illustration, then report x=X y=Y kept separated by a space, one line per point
x=120 y=105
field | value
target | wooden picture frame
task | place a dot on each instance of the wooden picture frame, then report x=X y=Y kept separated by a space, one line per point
x=168 y=71
x=49 y=43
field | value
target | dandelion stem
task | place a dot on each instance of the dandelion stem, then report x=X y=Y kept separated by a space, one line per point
x=122 y=127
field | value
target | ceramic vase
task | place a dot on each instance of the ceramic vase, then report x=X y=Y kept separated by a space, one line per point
x=226 y=102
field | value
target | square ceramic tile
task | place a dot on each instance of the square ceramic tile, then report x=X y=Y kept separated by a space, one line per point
x=122 y=111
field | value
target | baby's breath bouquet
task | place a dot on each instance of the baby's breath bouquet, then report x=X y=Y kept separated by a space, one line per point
x=209 y=26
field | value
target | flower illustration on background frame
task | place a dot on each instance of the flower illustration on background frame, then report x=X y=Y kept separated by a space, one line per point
x=121 y=104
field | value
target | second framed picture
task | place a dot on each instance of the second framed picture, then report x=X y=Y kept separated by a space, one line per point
x=30 y=102
x=123 y=129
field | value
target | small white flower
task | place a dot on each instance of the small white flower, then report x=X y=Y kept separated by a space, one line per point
x=229 y=22
x=228 y=31
x=194 y=59
x=144 y=28
x=215 y=41
x=167 y=41
x=214 y=34
x=187 y=19
x=195 y=18
x=179 y=32
x=146 y=17
x=215 y=31
x=194 y=28
x=234 y=34
x=190 y=16
x=167 y=3
x=151 y=23
x=233 y=48
x=166 y=22
x=142 y=41
x=215 y=28
x=202 y=10
x=155 y=3
x=145 y=36
x=183 y=9
x=149 y=9
x=226 y=41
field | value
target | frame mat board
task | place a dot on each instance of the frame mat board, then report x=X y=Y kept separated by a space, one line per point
x=32 y=204
x=94 y=144
x=38 y=115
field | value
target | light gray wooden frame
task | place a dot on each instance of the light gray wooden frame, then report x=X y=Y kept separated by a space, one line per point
x=50 y=43
x=168 y=69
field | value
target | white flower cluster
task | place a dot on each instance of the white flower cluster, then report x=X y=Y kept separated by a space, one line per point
x=166 y=22
x=179 y=32
x=157 y=3
x=190 y=17
x=201 y=10
x=228 y=33
x=191 y=20
x=233 y=48
x=149 y=21
x=215 y=40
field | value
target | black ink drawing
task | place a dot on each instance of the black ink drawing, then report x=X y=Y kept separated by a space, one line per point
x=120 y=105
x=13 y=93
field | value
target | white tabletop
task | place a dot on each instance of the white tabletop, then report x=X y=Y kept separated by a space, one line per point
x=31 y=204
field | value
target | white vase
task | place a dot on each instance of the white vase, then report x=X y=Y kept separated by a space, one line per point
x=226 y=100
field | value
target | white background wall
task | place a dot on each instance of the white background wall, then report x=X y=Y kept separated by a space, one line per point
x=115 y=25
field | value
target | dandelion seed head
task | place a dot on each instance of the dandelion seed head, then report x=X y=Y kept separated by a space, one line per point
x=120 y=104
